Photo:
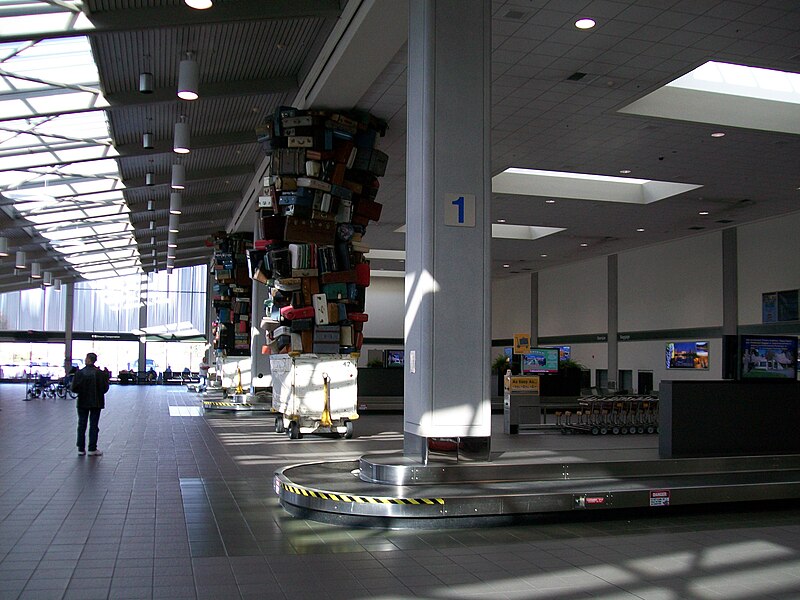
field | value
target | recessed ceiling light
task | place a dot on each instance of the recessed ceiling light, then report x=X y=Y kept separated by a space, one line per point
x=543 y=255
x=583 y=245
x=624 y=171
x=718 y=134
x=550 y=201
x=506 y=266
x=703 y=212
x=640 y=229
x=501 y=220
x=584 y=23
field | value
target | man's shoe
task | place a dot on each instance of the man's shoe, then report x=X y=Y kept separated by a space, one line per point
x=95 y=453
x=81 y=452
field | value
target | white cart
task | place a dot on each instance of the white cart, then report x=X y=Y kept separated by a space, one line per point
x=314 y=393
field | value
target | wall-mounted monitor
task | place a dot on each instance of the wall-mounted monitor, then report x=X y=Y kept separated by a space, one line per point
x=393 y=358
x=539 y=360
x=768 y=357
x=687 y=355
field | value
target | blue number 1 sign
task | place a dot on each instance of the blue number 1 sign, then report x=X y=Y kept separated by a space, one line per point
x=459 y=210
x=459 y=202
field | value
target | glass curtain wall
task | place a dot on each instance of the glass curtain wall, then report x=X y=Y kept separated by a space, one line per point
x=176 y=313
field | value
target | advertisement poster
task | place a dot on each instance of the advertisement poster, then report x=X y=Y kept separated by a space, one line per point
x=769 y=307
x=769 y=357
x=687 y=355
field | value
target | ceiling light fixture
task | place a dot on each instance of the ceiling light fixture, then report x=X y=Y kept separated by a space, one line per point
x=501 y=220
x=506 y=266
x=188 y=78
x=718 y=134
x=175 y=203
x=145 y=83
x=178 y=177
x=543 y=255
x=640 y=229
x=56 y=285
x=150 y=206
x=152 y=224
x=585 y=23
x=550 y=201
x=180 y=143
x=147 y=141
x=584 y=244
x=153 y=241
x=703 y=212
x=19 y=263
x=3 y=246
x=47 y=279
x=36 y=270
x=199 y=4
x=624 y=171
x=173 y=224
x=149 y=179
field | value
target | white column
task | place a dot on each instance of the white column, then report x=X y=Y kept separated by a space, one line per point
x=447 y=321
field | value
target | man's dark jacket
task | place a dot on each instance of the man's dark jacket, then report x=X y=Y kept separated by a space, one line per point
x=91 y=385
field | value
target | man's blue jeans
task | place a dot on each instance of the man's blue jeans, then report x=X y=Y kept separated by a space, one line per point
x=92 y=415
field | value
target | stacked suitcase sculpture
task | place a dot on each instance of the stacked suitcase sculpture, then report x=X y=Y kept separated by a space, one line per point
x=318 y=197
x=232 y=293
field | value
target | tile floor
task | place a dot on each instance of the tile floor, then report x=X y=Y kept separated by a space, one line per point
x=182 y=507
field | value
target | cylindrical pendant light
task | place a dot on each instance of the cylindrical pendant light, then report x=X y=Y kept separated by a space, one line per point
x=36 y=270
x=150 y=206
x=145 y=83
x=47 y=279
x=152 y=225
x=172 y=241
x=188 y=78
x=178 y=177
x=21 y=259
x=173 y=223
x=150 y=179
x=56 y=285
x=180 y=143
x=147 y=141
x=175 y=203
x=199 y=4
x=153 y=241
x=3 y=246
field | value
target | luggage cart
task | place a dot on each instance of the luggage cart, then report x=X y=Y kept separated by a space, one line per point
x=616 y=415
x=314 y=394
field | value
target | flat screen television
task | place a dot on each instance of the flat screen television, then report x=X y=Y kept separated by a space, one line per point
x=393 y=358
x=539 y=360
x=687 y=355
x=768 y=357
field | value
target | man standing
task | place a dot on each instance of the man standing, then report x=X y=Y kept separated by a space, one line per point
x=204 y=366
x=91 y=385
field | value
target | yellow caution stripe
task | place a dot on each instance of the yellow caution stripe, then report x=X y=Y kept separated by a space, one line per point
x=301 y=491
x=211 y=403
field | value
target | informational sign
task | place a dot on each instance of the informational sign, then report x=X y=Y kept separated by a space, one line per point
x=459 y=210
x=659 y=497
x=769 y=307
x=522 y=343
x=529 y=385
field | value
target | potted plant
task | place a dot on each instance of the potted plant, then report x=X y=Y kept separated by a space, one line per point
x=500 y=365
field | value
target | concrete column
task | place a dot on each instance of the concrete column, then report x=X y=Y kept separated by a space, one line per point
x=448 y=318
x=69 y=311
x=613 y=321
x=730 y=304
x=534 y=310
x=730 y=282
x=143 y=294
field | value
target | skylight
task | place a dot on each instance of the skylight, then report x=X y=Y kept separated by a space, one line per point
x=58 y=164
x=583 y=186
x=728 y=94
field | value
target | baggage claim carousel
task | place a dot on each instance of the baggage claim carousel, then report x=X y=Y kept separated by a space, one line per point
x=394 y=492
x=716 y=444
